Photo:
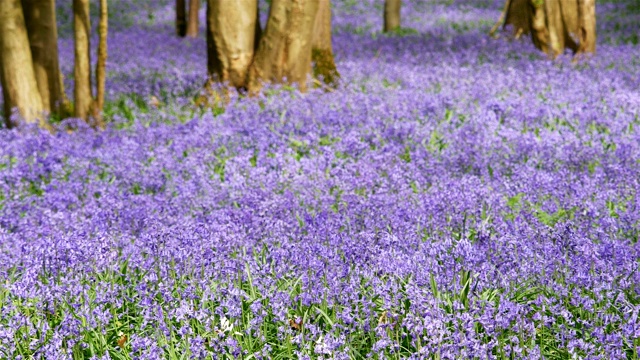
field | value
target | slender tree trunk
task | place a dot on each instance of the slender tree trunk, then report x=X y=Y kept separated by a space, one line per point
x=232 y=27
x=181 y=17
x=19 y=86
x=40 y=18
x=322 y=50
x=285 y=48
x=555 y=25
x=83 y=96
x=101 y=65
x=392 y=15
x=192 y=24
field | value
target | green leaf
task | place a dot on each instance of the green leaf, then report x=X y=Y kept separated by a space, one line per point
x=406 y=155
x=515 y=202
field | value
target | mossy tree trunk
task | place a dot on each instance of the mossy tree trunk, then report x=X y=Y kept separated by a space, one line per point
x=83 y=97
x=284 y=51
x=324 y=65
x=193 y=23
x=19 y=85
x=392 y=15
x=231 y=40
x=40 y=19
x=554 y=25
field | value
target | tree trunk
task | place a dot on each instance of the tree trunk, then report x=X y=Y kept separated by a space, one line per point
x=40 y=19
x=82 y=94
x=555 y=25
x=101 y=65
x=181 y=17
x=587 y=26
x=392 y=15
x=19 y=85
x=258 y=32
x=232 y=27
x=321 y=48
x=192 y=24
x=285 y=48
x=520 y=15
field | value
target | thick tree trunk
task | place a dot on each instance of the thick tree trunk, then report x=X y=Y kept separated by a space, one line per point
x=193 y=24
x=232 y=27
x=321 y=48
x=181 y=17
x=214 y=65
x=258 y=32
x=392 y=15
x=19 y=85
x=285 y=48
x=555 y=25
x=101 y=65
x=519 y=13
x=40 y=18
x=83 y=96
x=587 y=26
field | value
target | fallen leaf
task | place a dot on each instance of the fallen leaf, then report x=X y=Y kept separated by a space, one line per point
x=295 y=325
x=122 y=341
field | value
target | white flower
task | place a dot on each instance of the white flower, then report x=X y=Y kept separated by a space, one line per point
x=321 y=347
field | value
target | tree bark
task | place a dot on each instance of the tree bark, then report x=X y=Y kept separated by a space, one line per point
x=284 y=51
x=181 y=18
x=101 y=65
x=392 y=15
x=321 y=48
x=539 y=31
x=40 y=19
x=258 y=32
x=19 y=86
x=555 y=25
x=587 y=26
x=81 y=27
x=232 y=28
x=192 y=23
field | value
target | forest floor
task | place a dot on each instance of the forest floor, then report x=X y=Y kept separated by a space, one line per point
x=457 y=196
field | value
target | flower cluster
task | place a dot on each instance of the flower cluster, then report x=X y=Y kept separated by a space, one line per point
x=456 y=197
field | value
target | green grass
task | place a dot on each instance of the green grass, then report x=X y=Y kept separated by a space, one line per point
x=302 y=319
